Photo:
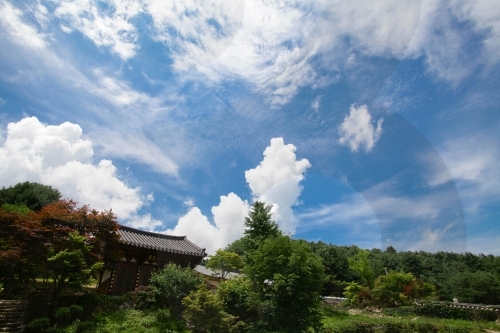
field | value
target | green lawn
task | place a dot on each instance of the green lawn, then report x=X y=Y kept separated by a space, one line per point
x=342 y=321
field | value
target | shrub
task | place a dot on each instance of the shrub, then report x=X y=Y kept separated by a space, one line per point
x=170 y=285
x=449 y=312
x=39 y=325
x=204 y=311
x=401 y=311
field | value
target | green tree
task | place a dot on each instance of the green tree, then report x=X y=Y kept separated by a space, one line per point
x=69 y=266
x=336 y=264
x=399 y=288
x=240 y=298
x=357 y=294
x=259 y=223
x=172 y=284
x=32 y=195
x=241 y=246
x=288 y=277
x=205 y=313
x=474 y=287
x=361 y=264
x=224 y=262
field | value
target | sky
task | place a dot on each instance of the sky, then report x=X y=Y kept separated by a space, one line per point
x=362 y=123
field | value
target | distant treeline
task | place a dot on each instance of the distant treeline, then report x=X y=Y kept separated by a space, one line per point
x=468 y=277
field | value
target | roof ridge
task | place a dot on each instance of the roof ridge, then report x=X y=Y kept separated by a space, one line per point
x=150 y=233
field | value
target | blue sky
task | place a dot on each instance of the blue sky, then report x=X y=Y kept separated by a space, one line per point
x=366 y=123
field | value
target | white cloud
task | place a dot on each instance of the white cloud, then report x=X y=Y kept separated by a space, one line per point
x=115 y=98
x=144 y=222
x=20 y=32
x=109 y=28
x=119 y=93
x=316 y=103
x=275 y=181
x=446 y=31
x=59 y=156
x=382 y=28
x=229 y=217
x=357 y=129
x=472 y=164
x=133 y=144
x=274 y=44
x=485 y=16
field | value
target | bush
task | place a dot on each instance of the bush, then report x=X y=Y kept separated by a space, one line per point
x=449 y=312
x=204 y=311
x=401 y=311
x=395 y=327
x=170 y=285
x=39 y=325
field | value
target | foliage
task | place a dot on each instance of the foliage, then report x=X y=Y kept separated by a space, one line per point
x=447 y=311
x=99 y=228
x=288 y=277
x=172 y=284
x=137 y=321
x=39 y=325
x=27 y=241
x=34 y=196
x=474 y=287
x=240 y=298
x=22 y=248
x=68 y=266
x=204 y=312
x=399 y=288
x=361 y=264
x=449 y=272
x=357 y=294
x=21 y=209
x=224 y=262
x=400 y=311
x=259 y=223
x=368 y=323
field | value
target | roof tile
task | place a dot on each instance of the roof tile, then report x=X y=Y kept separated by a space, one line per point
x=159 y=242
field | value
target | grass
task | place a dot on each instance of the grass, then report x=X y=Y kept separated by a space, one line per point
x=129 y=321
x=340 y=321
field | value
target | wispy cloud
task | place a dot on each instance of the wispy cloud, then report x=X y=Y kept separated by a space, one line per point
x=472 y=164
x=19 y=31
x=108 y=26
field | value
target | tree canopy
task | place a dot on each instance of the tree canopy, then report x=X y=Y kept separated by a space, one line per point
x=259 y=223
x=32 y=195
x=224 y=262
x=60 y=240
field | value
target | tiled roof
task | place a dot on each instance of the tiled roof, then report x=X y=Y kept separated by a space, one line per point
x=159 y=242
x=208 y=272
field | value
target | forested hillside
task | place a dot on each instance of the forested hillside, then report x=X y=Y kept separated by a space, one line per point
x=468 y=277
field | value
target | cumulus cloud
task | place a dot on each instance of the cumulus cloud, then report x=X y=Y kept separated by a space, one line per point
x=357 y=129
x=59 y=156
x=275 y=181
x=228 y=216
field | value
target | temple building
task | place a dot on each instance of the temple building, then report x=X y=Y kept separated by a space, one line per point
x=144 y=252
